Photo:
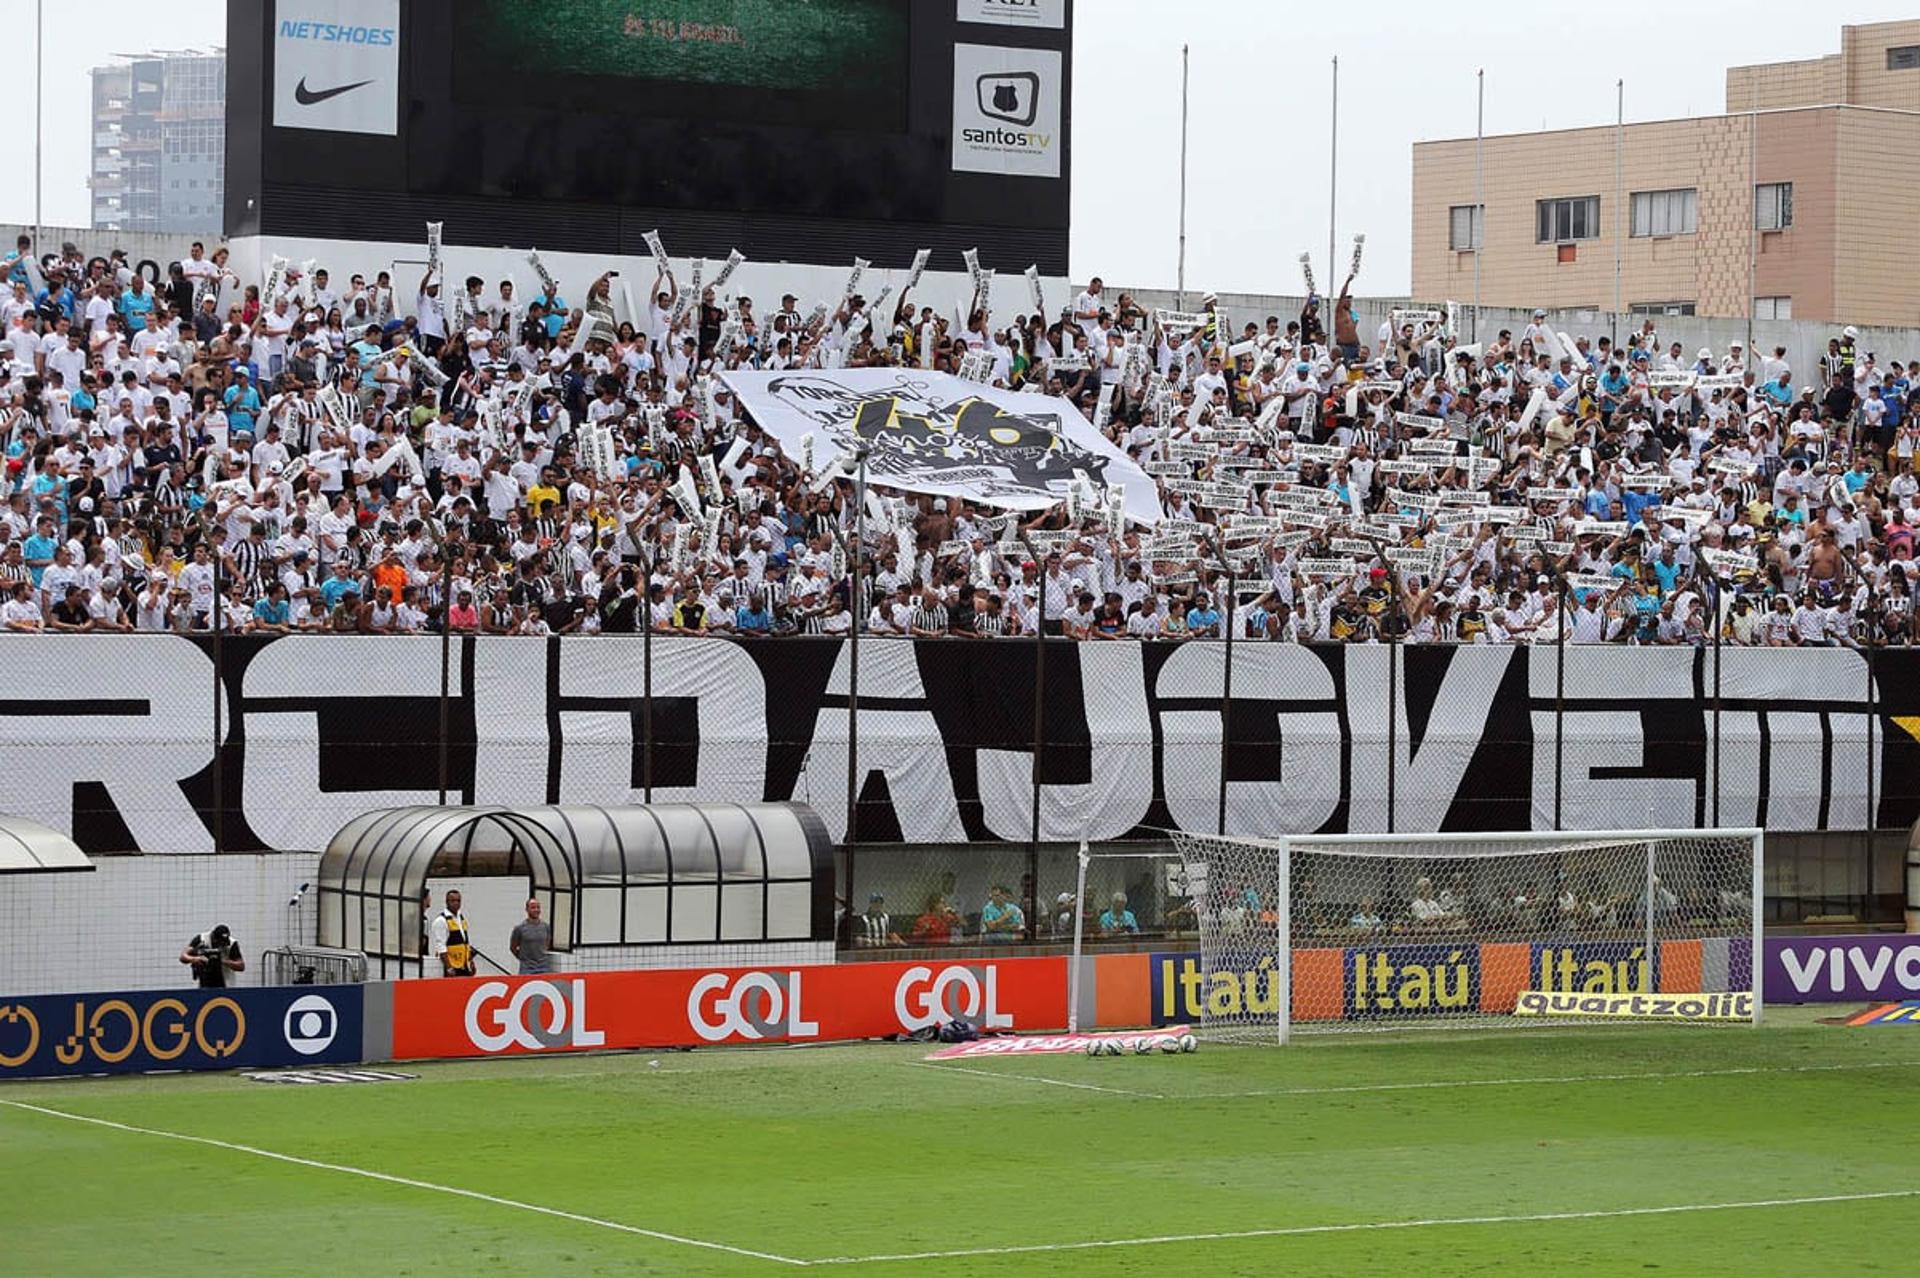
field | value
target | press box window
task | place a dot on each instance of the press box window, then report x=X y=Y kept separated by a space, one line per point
x=1575 y=219
x=1773 y=206
x=1665 y=212
x=1904 y=58
x=1466 y=227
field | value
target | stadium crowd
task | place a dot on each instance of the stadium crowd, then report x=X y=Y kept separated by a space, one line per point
x=378 y=456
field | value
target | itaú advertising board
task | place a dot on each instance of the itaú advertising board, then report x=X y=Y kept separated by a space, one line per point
x=701 y=1007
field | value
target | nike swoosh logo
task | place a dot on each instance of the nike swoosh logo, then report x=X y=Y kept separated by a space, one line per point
x=307 y=97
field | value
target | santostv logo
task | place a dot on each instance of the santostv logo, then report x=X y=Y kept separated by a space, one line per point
x=1013 y=96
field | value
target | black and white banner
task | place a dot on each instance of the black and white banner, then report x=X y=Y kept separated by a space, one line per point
x=336 y=65
x=934 y=433
x=111 y=737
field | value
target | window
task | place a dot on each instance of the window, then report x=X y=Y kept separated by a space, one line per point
x=1773 y=308
x=1466 y=225
x=1773 y=206
x=1661 y=308
x=1575 y=219
x=1665 y=212
x=1904 y=58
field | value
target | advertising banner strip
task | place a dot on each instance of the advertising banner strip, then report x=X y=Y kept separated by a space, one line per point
x=1041 y=1044
x=696 y=1007
x=1734 y=1006
x=118 y=1033
x=1841 y=969
x=1889 y=1014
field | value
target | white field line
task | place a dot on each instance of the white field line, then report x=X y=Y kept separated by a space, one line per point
x=944 y=1068
x=410 y=1183
x=1352 y=1088
x=1296 y=1231
x=1650 y=1077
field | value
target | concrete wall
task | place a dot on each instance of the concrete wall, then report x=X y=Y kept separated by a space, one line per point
x=1805 y=340
x=162 y=247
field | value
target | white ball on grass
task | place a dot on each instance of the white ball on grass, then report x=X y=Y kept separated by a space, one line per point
x=1143 y=1046
x=1094 y=1047
x=1168 y=1044
x=1188 y=1043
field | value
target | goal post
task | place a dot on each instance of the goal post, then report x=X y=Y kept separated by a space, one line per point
x=1320 y=933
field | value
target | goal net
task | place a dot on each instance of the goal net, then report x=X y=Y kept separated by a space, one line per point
x=1361 y=932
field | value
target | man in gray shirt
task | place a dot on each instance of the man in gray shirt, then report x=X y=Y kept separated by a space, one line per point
x=529 y=942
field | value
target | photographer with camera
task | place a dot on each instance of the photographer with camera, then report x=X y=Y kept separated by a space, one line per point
x=212 y=954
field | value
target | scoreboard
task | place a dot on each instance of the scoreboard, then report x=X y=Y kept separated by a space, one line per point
x=793 y=130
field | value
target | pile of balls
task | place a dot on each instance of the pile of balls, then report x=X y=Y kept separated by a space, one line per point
x=1144 y=1045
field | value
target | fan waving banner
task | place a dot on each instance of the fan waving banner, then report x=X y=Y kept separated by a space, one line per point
x=934 y=433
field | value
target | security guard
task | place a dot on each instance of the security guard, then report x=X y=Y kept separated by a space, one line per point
x=451 y=943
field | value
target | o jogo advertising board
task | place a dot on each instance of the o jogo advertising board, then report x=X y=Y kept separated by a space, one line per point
x=1437 y=978
x=119 y=1033
x=700 y=1007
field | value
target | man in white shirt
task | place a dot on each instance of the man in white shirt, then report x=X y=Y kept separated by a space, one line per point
x=430 y=319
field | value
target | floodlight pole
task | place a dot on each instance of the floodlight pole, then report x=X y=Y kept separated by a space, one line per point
x=1180 y=270
x=1039 y=733
x=646 y=677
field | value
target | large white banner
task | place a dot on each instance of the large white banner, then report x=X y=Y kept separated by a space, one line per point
x=336 y=65
x=1006 y=110
x=934 y=433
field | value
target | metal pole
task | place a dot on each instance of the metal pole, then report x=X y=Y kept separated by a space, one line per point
x=1039 y=746
x=1619 y=197
x=1753 y=207
x=1719 y=626
x=1477 y=220
x=446 y=659
x=853 y=650
x=1393 y=711
x=1333 y=169
x=1180 y=271
x=646 y=679
x=219 y=704
x=1079 y=932
x=39 y=97
x=1560 y=699
x=1226 y=700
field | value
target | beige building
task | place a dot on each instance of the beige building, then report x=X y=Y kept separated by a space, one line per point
x=1796 y=198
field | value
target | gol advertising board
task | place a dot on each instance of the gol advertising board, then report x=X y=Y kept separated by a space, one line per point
x=189 y=1029
x=697 y=1007
x=1841 y=969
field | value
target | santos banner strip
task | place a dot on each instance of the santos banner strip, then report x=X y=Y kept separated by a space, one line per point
x=934 y=433
x=189 y=1029
x=699 y=1007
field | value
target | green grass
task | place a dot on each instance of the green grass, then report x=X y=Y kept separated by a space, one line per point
x=856 y=1152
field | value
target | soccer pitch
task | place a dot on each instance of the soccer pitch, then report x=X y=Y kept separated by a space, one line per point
x=1778 y=1150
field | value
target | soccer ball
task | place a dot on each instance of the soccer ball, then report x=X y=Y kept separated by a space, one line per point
x=1095 y=1047
x=1143 y=1045
x=1112 y=1046
x=1169 y=1044
x=1188 y=1043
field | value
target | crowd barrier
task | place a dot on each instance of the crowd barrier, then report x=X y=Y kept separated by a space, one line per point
x=703 y=1007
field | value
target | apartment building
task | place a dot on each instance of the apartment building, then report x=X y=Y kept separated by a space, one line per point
x=159 y=142
x=1789 y=203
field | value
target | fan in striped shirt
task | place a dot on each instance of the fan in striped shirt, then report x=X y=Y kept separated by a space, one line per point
x=990 y=622
x=874 y=929
x=928 y=618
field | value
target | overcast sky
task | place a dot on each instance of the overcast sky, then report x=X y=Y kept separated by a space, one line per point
x=1258 y=143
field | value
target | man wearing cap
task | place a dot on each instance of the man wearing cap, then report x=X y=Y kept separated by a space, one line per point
x=212 y=954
